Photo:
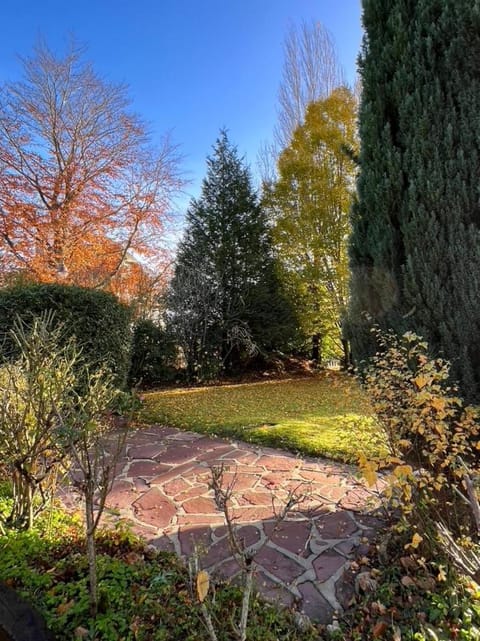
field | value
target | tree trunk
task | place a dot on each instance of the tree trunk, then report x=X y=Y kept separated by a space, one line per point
x=347 y=355
x=91 y=554
x=317 y=349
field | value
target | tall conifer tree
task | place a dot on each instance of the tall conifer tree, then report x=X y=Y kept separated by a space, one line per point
x=415 y=251
x=226 y=256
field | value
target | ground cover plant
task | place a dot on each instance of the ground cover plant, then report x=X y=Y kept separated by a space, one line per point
x=144 y=596
x=325 y=415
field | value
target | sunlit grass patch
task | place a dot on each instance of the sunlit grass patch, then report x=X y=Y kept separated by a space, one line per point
x=327 y=415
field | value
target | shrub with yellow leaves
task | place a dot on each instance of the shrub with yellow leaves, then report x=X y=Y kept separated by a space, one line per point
x=432 y=437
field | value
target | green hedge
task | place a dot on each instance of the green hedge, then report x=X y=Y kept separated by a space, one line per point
x=153 y=356
x=99 y=322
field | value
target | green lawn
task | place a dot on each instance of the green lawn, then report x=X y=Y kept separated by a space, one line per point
x=327 y=415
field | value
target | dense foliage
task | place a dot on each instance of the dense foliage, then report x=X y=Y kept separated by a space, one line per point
x=426 y=585
x=415 y=245
x=153 y=356
x=99 y=323
x=225 y=303
x=310 y=203
x=433 y=439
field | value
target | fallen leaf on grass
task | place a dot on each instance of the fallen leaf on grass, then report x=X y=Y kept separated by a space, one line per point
x=379 y=629
x=407 y=582
x=65 y=607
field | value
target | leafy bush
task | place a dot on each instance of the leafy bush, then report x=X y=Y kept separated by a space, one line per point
x=433 y=438
x=153 y=356
x=97 y=320
x=44 y=418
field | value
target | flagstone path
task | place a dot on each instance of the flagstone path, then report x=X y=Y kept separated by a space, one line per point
x=162 y=487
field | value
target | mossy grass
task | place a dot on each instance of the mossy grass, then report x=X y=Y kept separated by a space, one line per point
x=326 y=415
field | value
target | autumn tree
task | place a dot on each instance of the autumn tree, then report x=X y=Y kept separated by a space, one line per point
x=225 y=301
x=416 y=231
x=310 y=205
x=82 y=191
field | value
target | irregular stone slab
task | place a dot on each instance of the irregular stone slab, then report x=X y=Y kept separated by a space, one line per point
x=252 y=514
x=163 y=543
x=159 y=431
x=314 y=604
x=239 y=481
x=199 y=505
x=273 y=480
x=122 y=495
x=292 y=536
x=282 y=567
x=228 y=570
x=192 y=492
x=172 y=472
x=171 y=488
x=154 y=508
x=278 y=463
x=184 y=436
x=217 y=553
x=146 y=469
x=272 y=591
x=337 y=525
x=326 y=565
x=214 y=456
x=148 y=451
x=190 y=538
x=248 y=535
x=179 y=454
x=195 y=519
x=255 y=498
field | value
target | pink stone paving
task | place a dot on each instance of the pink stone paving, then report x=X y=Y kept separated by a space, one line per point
x=162 y=488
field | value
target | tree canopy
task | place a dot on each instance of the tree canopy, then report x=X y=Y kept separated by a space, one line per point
x=225 y=300
x=83 y=194
x=310 y=203
x=416 y=232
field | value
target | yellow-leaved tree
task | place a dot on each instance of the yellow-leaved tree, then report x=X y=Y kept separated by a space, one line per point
x=310 y=204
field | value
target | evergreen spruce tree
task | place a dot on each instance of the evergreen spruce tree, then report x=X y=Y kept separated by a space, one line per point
x=415 y=250
x=225 y=288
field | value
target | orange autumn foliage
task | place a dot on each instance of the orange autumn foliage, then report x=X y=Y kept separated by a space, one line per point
x=83 y=195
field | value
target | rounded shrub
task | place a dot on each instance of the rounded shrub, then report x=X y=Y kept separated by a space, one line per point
x=153 y=356
x=100 y=324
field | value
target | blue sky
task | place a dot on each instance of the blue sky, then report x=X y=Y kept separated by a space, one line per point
x=192 y=66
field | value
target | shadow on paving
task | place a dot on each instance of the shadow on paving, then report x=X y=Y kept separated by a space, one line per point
x=302 y=562
x=162 y=487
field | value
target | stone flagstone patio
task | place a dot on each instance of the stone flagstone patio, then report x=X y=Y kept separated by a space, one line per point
x=162 y=488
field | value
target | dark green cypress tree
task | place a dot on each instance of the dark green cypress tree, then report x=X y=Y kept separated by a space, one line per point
x=225 y=280
x=415 y=249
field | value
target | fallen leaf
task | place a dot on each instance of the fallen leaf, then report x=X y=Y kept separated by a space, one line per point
x=420 y=381
x=379 y=629
x=407 y=582
x=378 y=608
x=365 y=583
x=203 y=583
x=65 y=607
x=409 y=563
x=415 y=542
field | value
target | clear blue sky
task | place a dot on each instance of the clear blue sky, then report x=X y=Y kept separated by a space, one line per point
x=192 y=66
